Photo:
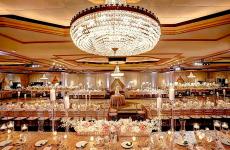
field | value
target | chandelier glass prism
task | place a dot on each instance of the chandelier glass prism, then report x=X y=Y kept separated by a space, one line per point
x=115 y=29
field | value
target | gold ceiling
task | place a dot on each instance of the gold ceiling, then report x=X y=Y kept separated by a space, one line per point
x=182 y=43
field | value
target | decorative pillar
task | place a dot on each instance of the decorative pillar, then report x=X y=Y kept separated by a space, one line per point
x=64 y=78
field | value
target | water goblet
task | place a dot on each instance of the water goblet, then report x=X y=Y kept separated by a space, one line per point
x=24 y=128
x=225 y=127
x=196 y=126
x=10 y=126
x=3 y=127
x=217 y=127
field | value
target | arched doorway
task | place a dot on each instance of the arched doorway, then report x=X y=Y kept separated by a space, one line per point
x=115 y=83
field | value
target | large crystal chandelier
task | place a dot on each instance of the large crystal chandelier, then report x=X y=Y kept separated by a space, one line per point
x=115 y=29
x=117 y=73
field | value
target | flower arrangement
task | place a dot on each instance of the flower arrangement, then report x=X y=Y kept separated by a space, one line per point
x=123 y=126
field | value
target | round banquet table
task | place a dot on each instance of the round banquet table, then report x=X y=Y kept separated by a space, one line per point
x=117 y=100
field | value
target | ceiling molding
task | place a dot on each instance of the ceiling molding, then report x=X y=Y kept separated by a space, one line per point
x=32 y=26
x=192 y=59
x=203 y=18
x=69 y=41
x=28 y=24
x=216 y=39
x=22 y=58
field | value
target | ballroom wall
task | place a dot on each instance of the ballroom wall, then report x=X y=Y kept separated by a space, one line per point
x=22 y=78
x=36 y=77
x=104 y=80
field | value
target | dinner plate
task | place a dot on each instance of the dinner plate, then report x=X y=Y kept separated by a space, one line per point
x=127 y=144
x=41 y=143
x=225 y=141
x=4 y=143
x=8 y=148
x=81 y=144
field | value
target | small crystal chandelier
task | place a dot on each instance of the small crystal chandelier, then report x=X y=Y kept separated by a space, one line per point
x=191 y=75
x=44 y=77
x=117 y=73
x=115 y=29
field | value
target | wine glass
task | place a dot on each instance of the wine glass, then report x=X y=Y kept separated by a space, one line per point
x=10 y=125
x=182 y=128
x=217 y=127
x=3 y=127
x=225 y=127
x=196 y=126
x=24 y=128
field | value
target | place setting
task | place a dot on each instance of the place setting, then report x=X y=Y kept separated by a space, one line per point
x=114 y=75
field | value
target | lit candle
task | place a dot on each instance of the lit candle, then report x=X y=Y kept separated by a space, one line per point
x=8 y=131
x=224 y=92
x=54 y=133
x=65 y=136
x=19 y=93
x=217 y=94
x=91 y=138
x=169 y=132
x=52 y=95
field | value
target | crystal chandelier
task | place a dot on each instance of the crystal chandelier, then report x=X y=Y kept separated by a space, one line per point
x=115 y=29
x=117 y=73
x=44 y=77
x=191 y=75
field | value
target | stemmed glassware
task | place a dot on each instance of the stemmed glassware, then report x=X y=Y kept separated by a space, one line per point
x=23 y=136
x=217 y=127
x=10 y=129
x=24 y=128
x=3 y=127
x=225 y=128
x=182 y=128
x=196 y=126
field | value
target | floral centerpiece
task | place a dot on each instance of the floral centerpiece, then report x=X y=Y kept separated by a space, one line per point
x=125 y=127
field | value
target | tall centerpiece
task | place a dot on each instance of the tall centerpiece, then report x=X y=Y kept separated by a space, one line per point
x=52 y=100
x=67 y=106
x=172 y=98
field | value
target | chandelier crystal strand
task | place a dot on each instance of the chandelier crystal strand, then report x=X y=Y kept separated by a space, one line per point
x=127 y=29
x=114 y=2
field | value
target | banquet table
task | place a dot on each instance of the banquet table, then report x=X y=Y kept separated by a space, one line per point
x=72 y=139
x=117 y=100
